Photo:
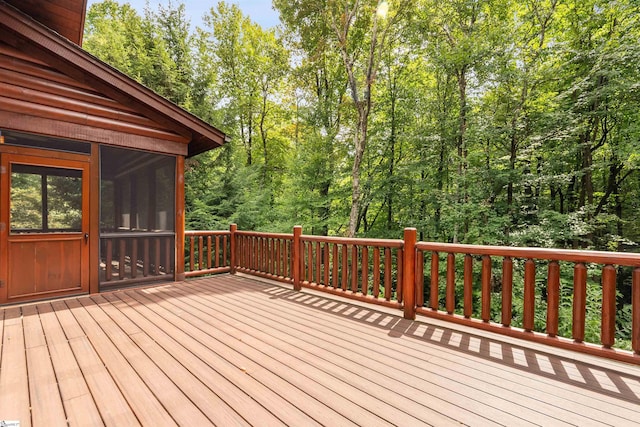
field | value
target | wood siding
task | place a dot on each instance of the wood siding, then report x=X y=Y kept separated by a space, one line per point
x=38 y=99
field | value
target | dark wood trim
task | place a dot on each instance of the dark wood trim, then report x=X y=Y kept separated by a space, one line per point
x=94 y=220
x=47 y=154
x=179 y=263
x=4 y=226
x=83 y=118
x=43 y=126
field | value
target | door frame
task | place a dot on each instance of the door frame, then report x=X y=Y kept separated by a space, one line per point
x=47 y=158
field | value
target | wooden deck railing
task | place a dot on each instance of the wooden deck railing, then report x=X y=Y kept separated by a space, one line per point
x=364 y=269
x=267 y=255
x=208 y=252
x=443 y=281
x=132 y=257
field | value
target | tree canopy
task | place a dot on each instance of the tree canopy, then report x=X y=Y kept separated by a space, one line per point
x=476 y=121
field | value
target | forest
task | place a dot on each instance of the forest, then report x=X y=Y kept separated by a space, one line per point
x=476 y=121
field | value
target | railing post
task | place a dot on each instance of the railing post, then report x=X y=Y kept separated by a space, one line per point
x=409 y=272
x=232 y=248
x=296 y=255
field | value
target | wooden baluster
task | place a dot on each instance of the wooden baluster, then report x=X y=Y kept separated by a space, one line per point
x=216 y=254
x=553 y=298
x=285 y=258
x=529 y=295
x=134 y=258
x=156 y=262
x=468 y=286
x=334 y=271
x=326 y=264
x=258 y=254
x=419 y=278
x=209 y=255
x=225 y=242
x=250 y=252
x=451 y=283
x=365 y=271
x=345 y=267
x=268 y=255
x=108 y=268
x=310 y=262
x=296 y=255
x=271 y=257
x=192 y=255
x=387 y=273
x=354 y=268
x=635 y=315
x=507 y=291
x=486 y=288
x=200 y=254
x=121 y=260
x=147 y=257
x=434 y=291
x=167 y=255
x=318 y=263
x=376 y=272
x=608 y=333
x=399 y=287
x=278 y=258
x=579 y=301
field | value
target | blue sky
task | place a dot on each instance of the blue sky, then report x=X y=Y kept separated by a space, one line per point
x=259 y=11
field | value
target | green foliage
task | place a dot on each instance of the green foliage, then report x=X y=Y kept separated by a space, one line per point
x=487 y=122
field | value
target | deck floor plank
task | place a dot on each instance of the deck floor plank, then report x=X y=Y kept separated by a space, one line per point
x=264 y=370
x=44 y=394
x=168 y=359
x=231 y=367
x=14 y=383
x=217 y=373
x=345 y=370
x=407 y=383
x=230 y=338
x=112 y=405
x=177 y=405
x=138 y=395
x=234 y=351
x=517 y=407
x=79 y=405
x=459 y=359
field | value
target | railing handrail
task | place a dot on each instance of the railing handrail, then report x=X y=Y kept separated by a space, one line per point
x=570 y=255
x=385 y=243
x=284 y=236
x=207 y=233
x=136 y=234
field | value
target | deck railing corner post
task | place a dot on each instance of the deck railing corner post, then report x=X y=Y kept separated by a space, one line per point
x=297 y=256
x=232 y=248
x=409 y=270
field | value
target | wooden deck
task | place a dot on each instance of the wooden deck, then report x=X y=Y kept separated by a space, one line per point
x=230 y=350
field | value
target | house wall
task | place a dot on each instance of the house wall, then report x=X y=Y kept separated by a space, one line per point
x=36 y=98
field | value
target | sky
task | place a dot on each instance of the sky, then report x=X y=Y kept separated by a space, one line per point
x=259 y=11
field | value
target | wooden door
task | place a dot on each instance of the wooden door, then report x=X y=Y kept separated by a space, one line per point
x=44 y=227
